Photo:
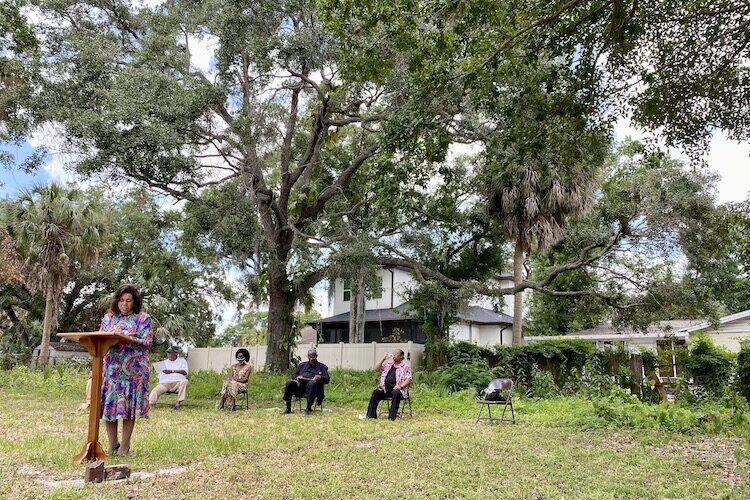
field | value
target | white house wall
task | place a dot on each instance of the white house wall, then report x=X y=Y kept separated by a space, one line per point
x=729 y=341
x=399 y=283
x=729 y=335
x=402 y=280
x=481 y=334
x=506 y=302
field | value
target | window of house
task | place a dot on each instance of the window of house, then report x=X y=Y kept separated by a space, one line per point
x=347 y=291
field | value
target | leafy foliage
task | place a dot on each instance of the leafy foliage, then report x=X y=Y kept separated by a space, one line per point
x=57 y=231
x=18 y=48
x=466 y=372
x=709 y=365
x=137 y=246
x=743 y=370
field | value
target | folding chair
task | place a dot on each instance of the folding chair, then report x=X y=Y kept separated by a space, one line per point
x=503 y=388
x=317 y=405
x=247 y=396
x=402 y=405
x=319 y=398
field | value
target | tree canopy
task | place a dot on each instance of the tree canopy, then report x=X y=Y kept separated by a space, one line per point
x=318 y=139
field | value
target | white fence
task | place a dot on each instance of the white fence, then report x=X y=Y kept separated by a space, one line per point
x=341 y=355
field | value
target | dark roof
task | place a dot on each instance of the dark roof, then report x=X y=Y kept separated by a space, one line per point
x=400 y=313
x=480 y=315
x=472 y=314
x=67 y=346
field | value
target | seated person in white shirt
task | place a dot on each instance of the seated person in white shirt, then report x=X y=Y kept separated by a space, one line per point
x=172 y=378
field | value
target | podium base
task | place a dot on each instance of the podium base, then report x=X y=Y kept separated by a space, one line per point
x=91 y=451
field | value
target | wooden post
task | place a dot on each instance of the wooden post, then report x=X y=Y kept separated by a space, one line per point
x=97 y=343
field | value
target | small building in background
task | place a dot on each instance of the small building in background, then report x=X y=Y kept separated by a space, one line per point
x=61 y=352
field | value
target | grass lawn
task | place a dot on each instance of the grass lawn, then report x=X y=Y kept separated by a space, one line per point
x=200 y=452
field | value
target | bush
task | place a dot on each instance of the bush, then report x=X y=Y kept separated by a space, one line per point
x=710 y=366
x=542 y=384
x=436 y=354
x=552 y=368
x=466 y=372
x=742 y=381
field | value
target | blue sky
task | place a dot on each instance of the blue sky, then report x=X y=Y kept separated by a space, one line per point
x=14 y=180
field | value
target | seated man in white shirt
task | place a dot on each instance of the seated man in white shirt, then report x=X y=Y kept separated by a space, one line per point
x=172 y=378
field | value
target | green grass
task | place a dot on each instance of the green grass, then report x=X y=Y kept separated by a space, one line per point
x=559 y=448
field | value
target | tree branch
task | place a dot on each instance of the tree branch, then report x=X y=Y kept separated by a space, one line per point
x=310 y=212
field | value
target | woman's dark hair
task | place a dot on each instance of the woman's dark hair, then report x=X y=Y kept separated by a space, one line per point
x=132 y=290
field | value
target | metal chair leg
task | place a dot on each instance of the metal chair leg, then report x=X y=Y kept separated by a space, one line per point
x=479 y=415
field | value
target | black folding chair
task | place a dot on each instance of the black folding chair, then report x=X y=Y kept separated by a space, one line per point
x=404 y=401
x=317 y=405
x=498 y=392
x=246 y=392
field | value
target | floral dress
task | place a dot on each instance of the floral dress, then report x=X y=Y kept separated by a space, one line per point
x=126 y=368
x=235 y=385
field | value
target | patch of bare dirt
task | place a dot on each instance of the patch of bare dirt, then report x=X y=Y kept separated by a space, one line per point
x=45 y=480
x=712 y=454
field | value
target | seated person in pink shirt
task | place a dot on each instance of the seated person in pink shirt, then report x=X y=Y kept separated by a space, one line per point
x=395 y=378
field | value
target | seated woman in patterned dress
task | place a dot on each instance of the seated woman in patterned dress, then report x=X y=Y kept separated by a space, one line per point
x=126 y=367
x=236 y=383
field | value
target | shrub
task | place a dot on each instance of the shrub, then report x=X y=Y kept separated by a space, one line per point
x=542 y=384
x=742 y=381
x=710 y=366
x=596 y=382
x=561 y=360
x=436 y=354
x=466 y=372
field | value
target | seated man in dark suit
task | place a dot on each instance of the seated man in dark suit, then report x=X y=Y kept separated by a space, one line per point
x=308 y=380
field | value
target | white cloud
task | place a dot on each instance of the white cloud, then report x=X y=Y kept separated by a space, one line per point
x=731 y=160
x=51 y=137
x=202 y=51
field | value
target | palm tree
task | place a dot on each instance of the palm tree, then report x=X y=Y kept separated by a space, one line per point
x=542 y=169
x=53 y=229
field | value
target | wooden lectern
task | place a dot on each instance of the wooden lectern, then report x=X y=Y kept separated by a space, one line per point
x=97 y=343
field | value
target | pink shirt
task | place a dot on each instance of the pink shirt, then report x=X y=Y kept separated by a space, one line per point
x=403 y=373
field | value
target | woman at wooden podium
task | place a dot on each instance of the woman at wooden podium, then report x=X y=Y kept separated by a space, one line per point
x=126 y=367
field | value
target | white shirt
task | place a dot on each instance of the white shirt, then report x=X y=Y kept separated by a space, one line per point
x=177 y=364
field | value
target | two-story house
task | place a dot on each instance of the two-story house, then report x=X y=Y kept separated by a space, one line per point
x=387 y=312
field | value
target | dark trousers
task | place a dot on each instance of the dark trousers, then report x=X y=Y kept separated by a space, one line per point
x=377 y=396
x=303 y=388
